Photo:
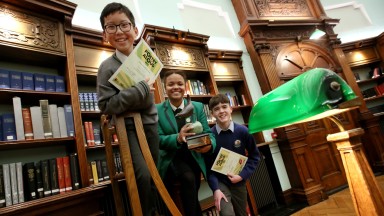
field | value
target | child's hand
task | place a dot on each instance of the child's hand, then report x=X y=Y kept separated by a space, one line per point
x=218 y=195
x=151 y=88
x=234 y=178
x=184 y=133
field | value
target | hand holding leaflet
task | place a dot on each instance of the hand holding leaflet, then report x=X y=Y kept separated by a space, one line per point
x=229 y=162
x=142 y=63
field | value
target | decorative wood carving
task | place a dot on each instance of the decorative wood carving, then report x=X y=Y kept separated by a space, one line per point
x=25 y=30
x=283 y=8
x=174 y=55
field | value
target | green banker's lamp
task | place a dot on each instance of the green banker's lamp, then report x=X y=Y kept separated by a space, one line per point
x=315 y=94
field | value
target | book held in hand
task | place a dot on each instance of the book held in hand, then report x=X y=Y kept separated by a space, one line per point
x=228 y=161
x=139 y=65
x=199 y=140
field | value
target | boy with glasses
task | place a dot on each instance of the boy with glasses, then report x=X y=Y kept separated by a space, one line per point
x=120 y=31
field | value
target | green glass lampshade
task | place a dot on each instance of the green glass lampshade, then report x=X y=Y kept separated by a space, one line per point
x=312 y=95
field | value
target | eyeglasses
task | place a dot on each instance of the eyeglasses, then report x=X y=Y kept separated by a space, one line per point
x=124 y=27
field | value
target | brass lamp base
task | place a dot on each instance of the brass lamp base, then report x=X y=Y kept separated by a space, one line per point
x=366 y=194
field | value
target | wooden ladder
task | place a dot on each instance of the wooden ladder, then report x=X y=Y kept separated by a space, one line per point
x=126 y=161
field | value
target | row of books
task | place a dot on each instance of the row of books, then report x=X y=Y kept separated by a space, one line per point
x=98 y=169
x=88 y=101
x=36 y=122
x=196 y=87
x=92 y=133
x=236 y=101
x=31 y=81
x=210 y=118
x=373 y=91
x=23 y=182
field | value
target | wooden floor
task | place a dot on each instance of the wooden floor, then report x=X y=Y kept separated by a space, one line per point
x=337 y=204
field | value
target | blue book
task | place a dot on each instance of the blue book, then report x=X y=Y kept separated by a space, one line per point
x=27 y=80
x=39 y=80
x=9 y=127
x=4 y=79
x=69 y=120
x=15 y=77
x=50 y=83
x=60 y=85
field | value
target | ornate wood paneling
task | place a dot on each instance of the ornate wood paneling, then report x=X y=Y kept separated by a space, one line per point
x=21 y=29
x=186 y=57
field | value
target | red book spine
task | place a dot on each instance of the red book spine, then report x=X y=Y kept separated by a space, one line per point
x=67 y=174
x=60 y=174
x=27 y=121
x=91 y=133
x=88 y=134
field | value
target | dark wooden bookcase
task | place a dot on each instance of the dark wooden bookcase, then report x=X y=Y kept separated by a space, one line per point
x=36 y=37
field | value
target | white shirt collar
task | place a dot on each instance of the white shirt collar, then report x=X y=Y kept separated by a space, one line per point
x=121 y=56
x=174 y=107
x=231 y=127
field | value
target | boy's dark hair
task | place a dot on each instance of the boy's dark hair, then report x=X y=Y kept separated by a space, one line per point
x=114 y=7
x=215 y=100
x=170 y=72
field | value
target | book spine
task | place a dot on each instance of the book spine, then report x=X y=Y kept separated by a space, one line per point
x=90 y=173
x=37 y=122
x=62 y=122
x=95 y=101
x=67 y=173
x=27 y=121
x=20 y=182
x=69 y=120
x=39 y=80
x=9 y=128
x=94 y=172
x=87 y=134
x=75 y=175
x=39 y=180
x=99 y=168
x=15 y=193
x=2 y=192
x=27 y=79
x=46 y=177
x=45 y=115
x=97 y=133
x=7 y=185
x=82 y=102
x=104 y=168
x=30 y=181
x=91 y=102
x=15 y=77
x=60 y=174
x=50 y=83
x=54 y=177
x=18 y=118
x=59 y=84
x=5 y=81
x=54 y=120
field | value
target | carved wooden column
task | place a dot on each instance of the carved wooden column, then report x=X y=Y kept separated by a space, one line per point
x=366 y=194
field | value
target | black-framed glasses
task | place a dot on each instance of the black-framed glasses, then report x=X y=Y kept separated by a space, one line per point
x=124 y=27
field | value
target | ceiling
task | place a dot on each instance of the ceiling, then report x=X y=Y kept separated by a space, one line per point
x=359 y=19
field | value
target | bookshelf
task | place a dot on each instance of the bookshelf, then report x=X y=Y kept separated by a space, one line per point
x=39 y=43
x=229 y=77
x=367 y=66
